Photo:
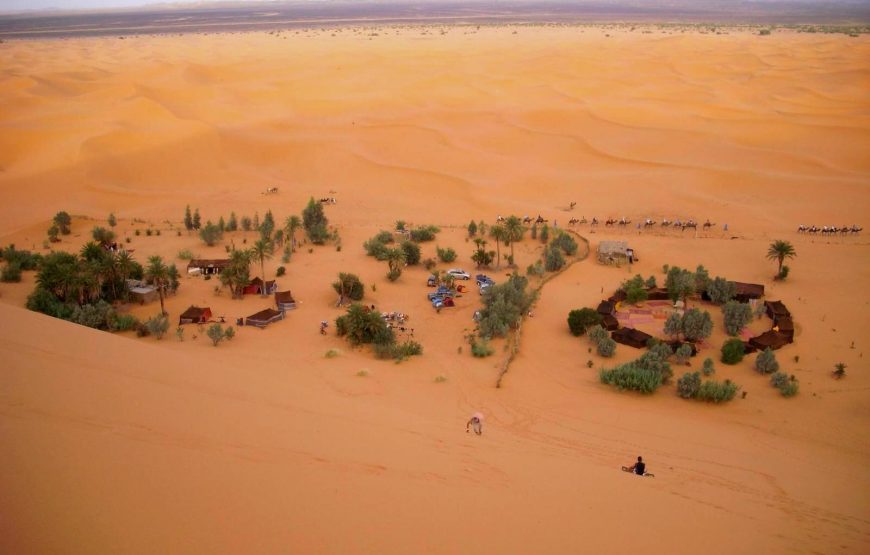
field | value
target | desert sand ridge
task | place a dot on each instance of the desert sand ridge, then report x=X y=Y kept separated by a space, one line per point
x=114 y=443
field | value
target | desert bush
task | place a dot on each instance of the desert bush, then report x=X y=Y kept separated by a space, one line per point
x=229 y=333
x=708 y=369
x=446 y=255
x=481 y=349
x=683 y=353
x=680 y=283
x=635 y=289
x=737 y=315
x=63 y=221
x=157 y=325
x=280 y=271
x=553 y=259
x=606 y=347
x=332 y=353
x=215 y=332
x=790 y=389
x=674 y=325
x=210 y=234
x=440 y=379
x=565 y=242
x=596 y=334
x=472 y=229
x=689 y=385
x=11 y=272
x=783 y=273
x=732 y=351
x=766 y=362
x=349 y=286
x=778 y=379
x=582 y=319
x=651 y=282
x=536 y=269
x=702 y=279
x=97 y=315
x=544 y=235
x=632 y=377
x=717 y=392
x=424 y=233
x=185 y=254
x=697 y=325
x=25 y=260
x=314 y=222
x=720 y=290
x=123 y=322
x=504 y=305
x=412 y=252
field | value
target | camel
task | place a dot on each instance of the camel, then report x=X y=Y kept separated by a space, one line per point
x=648 y=223
x=708 y=224
x=595 y=221
x=573 y=221
x=689 y=224
x=623 y=222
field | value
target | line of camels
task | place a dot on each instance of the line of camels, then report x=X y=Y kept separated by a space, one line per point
x=624 y=222
x=830 y=229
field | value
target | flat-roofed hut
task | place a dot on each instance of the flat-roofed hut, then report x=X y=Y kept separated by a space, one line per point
x=606 y=307
x=613 y=252
x=141 y=292
x=195 y=315
x=264 y=318
x=775 y=309
x=743 y=292
x=284 y=300
x=631 y=337
x=207 y=266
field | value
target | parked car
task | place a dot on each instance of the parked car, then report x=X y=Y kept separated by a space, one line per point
x=440 y=293
x=443 y=302
x=484 y=287
x=432 y=281
x=484 y=279
x=459 y=274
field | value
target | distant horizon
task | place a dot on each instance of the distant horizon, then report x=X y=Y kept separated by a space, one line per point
x=36 y=6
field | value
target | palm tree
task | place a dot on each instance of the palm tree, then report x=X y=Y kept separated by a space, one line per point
x=499 y=233
x=515 y=231
x=124 y=265
x=395 y=258
x=237 y=274
x=262 y=250
x=291 y=225
x=780 y=250
x=158 y=273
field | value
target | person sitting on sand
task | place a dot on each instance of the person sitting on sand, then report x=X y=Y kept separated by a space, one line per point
x=638 y=468
x=476 y=423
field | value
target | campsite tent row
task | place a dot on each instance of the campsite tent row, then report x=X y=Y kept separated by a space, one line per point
x=780 y=335
x=259 y=287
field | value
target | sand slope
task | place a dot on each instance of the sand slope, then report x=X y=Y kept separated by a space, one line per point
x=118 y=444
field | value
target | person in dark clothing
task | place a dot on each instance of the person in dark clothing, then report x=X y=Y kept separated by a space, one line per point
x=638 y=468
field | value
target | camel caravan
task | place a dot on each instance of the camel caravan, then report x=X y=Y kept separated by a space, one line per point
x=829 y=230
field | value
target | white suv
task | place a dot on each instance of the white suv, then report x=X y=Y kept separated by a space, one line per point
x=458 y=274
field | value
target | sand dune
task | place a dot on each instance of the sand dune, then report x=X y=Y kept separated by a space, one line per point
x=119 y=444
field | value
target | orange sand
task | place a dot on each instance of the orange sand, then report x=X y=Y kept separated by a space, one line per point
x=113 y=444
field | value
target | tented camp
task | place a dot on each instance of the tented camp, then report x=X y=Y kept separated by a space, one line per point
x=207 y=266
x=195 y=315
x=785 y=326
x=746 y=291
x=606 y=307
x=141 y=292
x=259 y=287
x=772 y=339
x=613 y=252
x=609 y=322
x=631 y=337
x=264 y=318
x=284 y=300
x=775 y=309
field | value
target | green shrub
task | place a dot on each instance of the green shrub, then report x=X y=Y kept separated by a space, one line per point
x=708 y=369
x=717 y=392
x=446 y=255
x=737 y=315
x=97 y=315
x=778 y=379
x=440 y=379
x=314 y=222
x=472 y=229
x=504 y=305
x=185 y=254
x=412 y=252
x=553 y=259
x=157 y=326
x=720 y=290
x=481 y=349
x=544 y=235
x=766 y=362
x=25 y=260
x=732 y=351
x=689 y=385
x=635 y=289
x=123 y=322
x=210 y=234
x=280 y=271
x=697 y=325
x=606 y=347
x=597 y=334
x=536 y=269
x=683 y=353
x=429 y=263
x=11 y=272
x=229 y=333
x=215 y=332
x=582 y=319
x=332 y=353
x=349 y=286
x=565 y=242
x=362 y=325
x=790 y=389
x=424 y=233
x=632 y=377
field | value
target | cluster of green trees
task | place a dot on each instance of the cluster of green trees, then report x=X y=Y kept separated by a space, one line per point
x=81 y=287
x=690 y=386
x=349 y=286
x=644 y=374
x=507 y=232
x=61 y=224
x=16 y=261
x=693 y=325
x=406 y=252
x=217 y=333
x=580 y=320
x=636 y=288
x=504 y=305
x=363 y=326
x=604 y=344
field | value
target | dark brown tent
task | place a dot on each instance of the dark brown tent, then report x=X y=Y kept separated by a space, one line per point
x=195 y=315
x=745 y=291
x=618 y=297
x=631 y=337
x=284 y=300
x=772 y=339
x=264 y=318
x=606 y=307
x=785 y=326
x=775 y=309
x=609 y=322
x=657 y=294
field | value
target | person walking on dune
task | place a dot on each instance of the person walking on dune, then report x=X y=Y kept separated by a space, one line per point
x=475 y=423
